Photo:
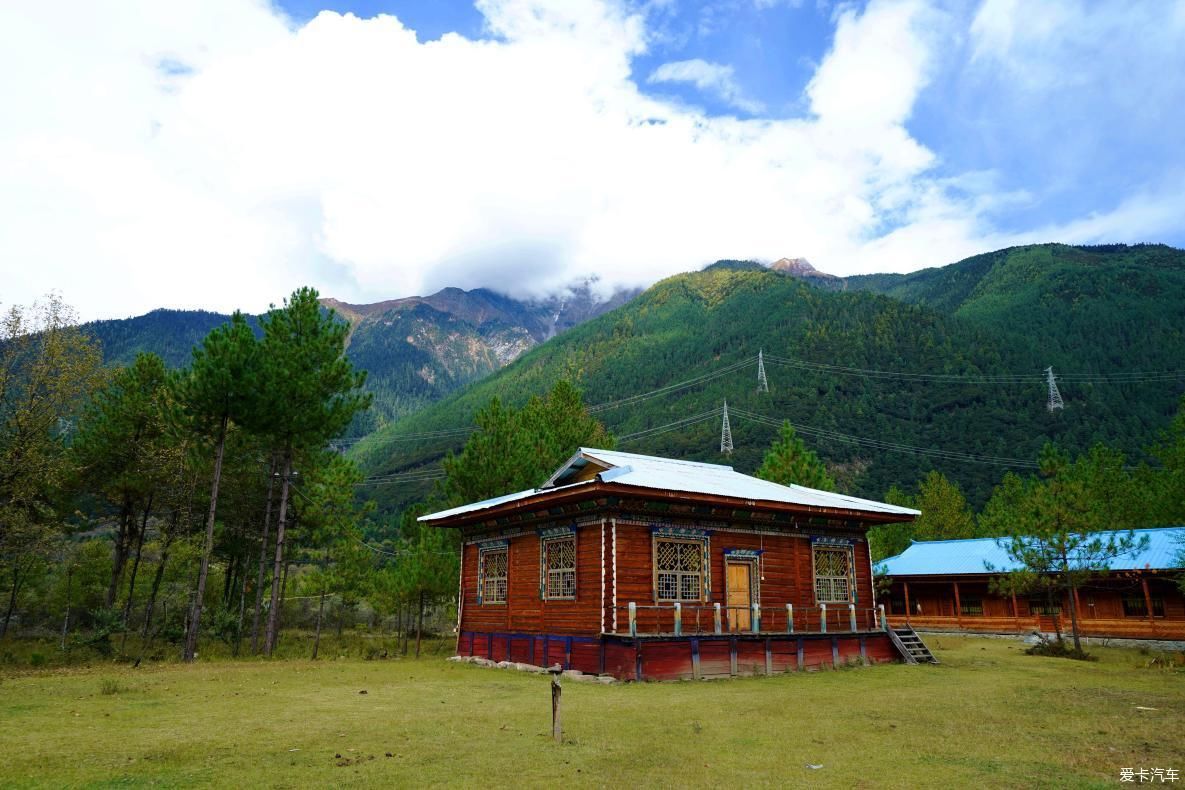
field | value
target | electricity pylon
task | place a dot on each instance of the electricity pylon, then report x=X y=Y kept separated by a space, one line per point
x=1055 y=397
x=726 y=433
x=762 y=384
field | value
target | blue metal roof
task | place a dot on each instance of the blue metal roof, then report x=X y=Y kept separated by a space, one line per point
x=955 y=557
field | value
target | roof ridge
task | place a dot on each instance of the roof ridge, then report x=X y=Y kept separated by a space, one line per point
x=658 y=458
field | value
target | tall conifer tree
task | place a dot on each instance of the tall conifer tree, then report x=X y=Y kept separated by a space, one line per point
x=220 y=388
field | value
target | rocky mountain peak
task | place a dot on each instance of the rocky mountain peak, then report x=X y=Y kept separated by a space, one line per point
x=800 y=267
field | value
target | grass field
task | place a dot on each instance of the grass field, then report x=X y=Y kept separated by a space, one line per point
x=989 y=716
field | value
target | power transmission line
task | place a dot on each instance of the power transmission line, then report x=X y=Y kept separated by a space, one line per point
x=882 y=444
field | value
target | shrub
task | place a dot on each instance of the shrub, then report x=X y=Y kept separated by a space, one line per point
x=1058 y=648
x=109 y=686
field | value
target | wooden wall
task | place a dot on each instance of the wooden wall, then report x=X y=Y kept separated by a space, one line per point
x=1100 y=613
x=787 y=575
x=524 y=610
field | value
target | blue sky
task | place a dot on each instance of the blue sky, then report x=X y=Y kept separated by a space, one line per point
x=378 y=148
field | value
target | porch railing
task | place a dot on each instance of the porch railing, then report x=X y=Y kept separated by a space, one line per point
x=679 y=619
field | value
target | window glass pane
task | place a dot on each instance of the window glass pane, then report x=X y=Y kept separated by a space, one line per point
x=493 y=576
x=833 y=575
x=679 y=567
x=559 y=561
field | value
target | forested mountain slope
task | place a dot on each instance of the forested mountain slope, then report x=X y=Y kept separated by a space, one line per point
x=1012 y=312
x=416 y=350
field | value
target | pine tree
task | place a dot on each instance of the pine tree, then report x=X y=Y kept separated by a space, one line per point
x=790 y=461
x=1064 y=524
x=219 y=389
x=513 y=450
x=312 y=393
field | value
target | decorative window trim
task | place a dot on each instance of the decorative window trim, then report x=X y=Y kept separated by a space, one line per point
x=548 y=546
x=485 y=553
x=844 y=550
x=702 y=542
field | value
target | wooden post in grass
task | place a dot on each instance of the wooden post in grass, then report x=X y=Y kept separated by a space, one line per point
x=557 y=729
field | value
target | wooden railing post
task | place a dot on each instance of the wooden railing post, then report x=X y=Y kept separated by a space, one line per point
x=756 y=617
x=678 y=619
x=716 y=617
x=633 y=619
x=823 y=618
x=884 y=621
x=789 y=618
x=851 y=617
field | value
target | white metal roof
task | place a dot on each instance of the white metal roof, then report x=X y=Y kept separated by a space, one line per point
x=669 y=474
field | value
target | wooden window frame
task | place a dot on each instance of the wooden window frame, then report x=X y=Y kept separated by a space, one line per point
x=850 y=578
x=483 y=556
x=971 y=607
x=702 y=546
x=1157 y=606
x=545 y=572
x=1039 y=608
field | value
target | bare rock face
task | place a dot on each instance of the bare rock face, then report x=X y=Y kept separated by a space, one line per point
x=800 y=267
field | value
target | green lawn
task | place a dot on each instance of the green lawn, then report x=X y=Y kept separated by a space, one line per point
x=989 y=716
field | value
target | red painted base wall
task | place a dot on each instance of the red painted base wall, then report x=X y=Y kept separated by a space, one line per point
x=682 y=657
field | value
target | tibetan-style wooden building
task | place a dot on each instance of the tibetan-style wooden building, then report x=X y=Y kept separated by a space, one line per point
x=652 y=568
x=945 y=585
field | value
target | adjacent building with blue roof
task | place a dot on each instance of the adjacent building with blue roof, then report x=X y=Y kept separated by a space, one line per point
x=950 y=585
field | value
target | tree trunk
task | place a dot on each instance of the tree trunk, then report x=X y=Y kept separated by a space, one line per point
x=321 y=609
x=269 y=641
x=228 y=580
x=121 y=551
x=195 y=623
x=420 y=626
x=127 y=607
x=405 y=627
x=267 y=518
x=69 y=598
x=242 y=608
x=1073 y=603
x=16 y=586
x=156 y=580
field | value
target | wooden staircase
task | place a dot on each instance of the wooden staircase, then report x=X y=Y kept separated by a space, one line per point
x=911 y=646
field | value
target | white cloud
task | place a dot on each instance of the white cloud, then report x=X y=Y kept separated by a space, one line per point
x=714 y=78
x=208 y=153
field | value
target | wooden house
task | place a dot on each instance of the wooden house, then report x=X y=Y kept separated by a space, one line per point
x=653 y=568
x=946 y=585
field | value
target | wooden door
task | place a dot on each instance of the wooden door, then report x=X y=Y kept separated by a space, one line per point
x=739 y=595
